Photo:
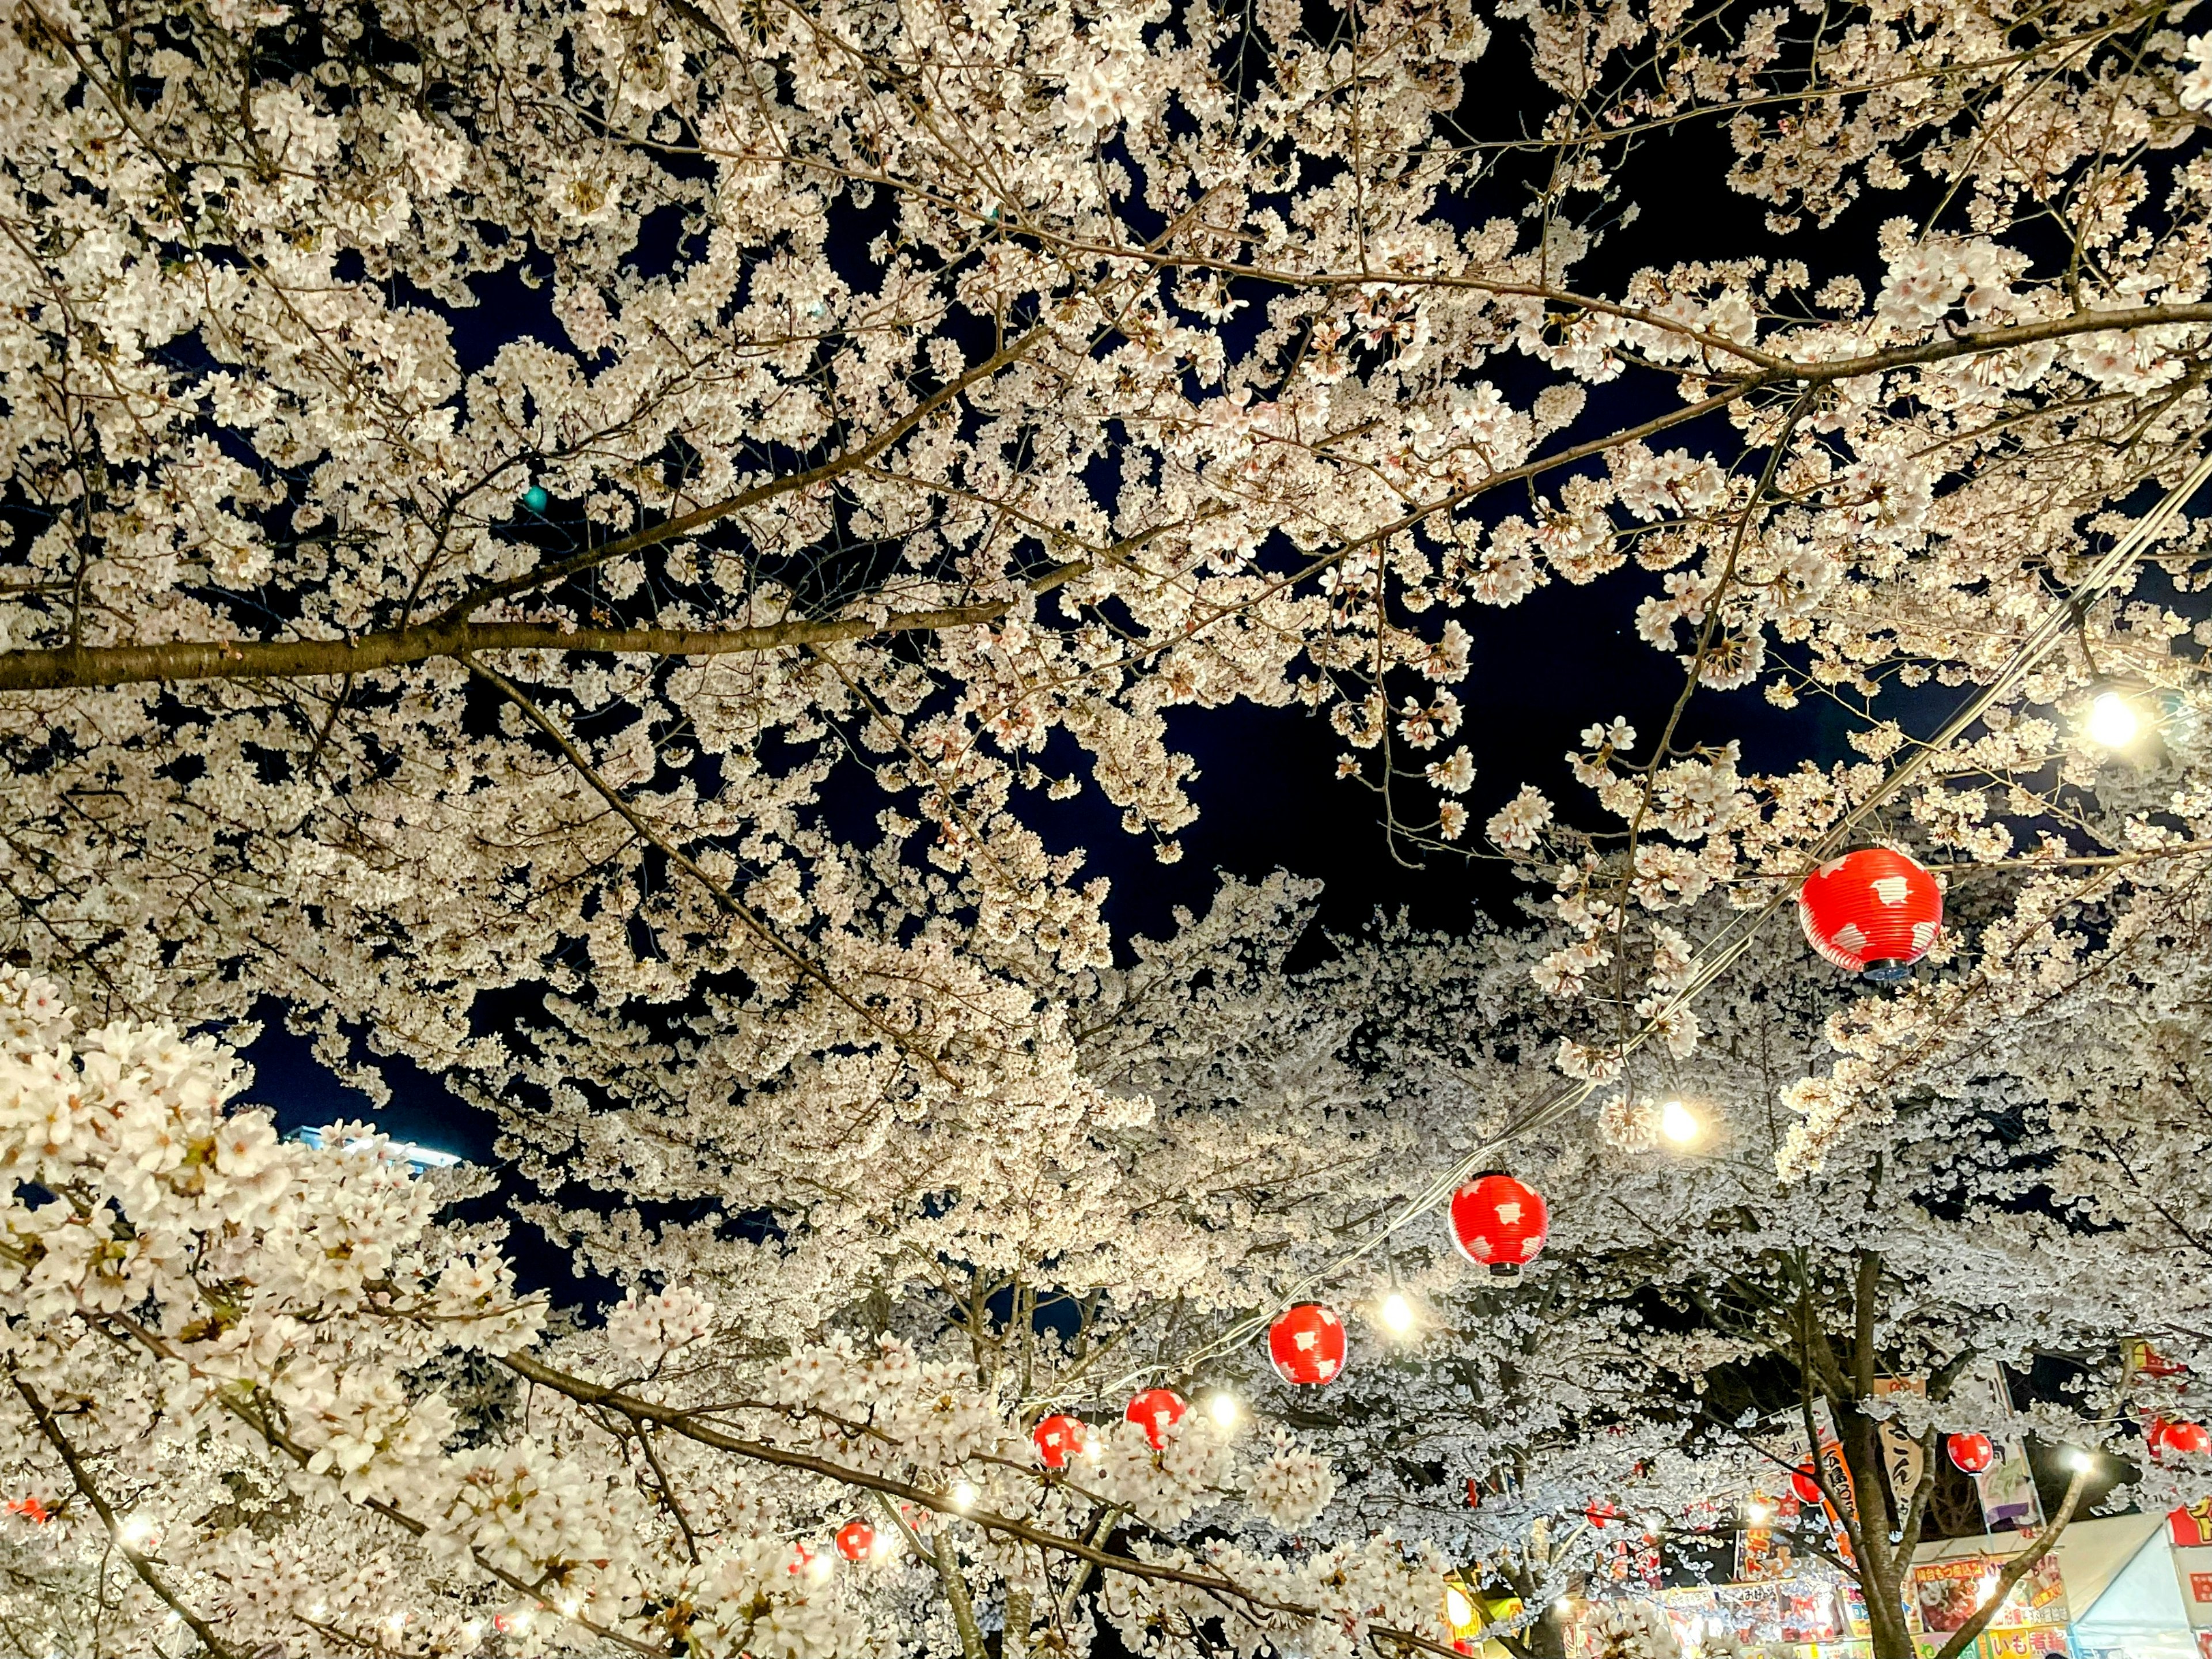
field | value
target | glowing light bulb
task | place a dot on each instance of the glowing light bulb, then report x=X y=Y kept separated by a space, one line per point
x=135 y=1532
x=1398 y=1319
x=2074 y=1458
x=1457 y=1607
x=397 y=1623
x=1759 y=1514
x=963 y=1494
x=319 y=1611
x=2113 y=720
x=1223 y=1409
x=1678 y=1123
x=821 y=1567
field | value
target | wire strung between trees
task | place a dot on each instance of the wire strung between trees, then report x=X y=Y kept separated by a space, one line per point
x=1721 y=952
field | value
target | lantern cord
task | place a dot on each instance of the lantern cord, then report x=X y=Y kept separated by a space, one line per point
x=1718 y=954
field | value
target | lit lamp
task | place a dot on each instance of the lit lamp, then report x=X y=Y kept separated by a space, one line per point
x=1678 y=1123
x=2113 y=720
x=2124 y=709
x=1396 y=1314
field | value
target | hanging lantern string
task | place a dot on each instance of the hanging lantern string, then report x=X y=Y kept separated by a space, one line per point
x=1722 y=951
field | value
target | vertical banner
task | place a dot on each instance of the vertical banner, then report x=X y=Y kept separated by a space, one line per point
x=2009 y=1500
x=1838 y=1476
x=1900 y=1448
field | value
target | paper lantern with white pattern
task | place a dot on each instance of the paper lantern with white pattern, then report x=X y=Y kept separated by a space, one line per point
x=1971 y=1454
x=1498 y=1222
x=855 y=1540
x=2184 y=1439
x=1058 y=1438
x=1156 y=1411
x=1307 y=1344
x=1874 y=912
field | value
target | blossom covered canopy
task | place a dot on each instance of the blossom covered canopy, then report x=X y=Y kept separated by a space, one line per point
x=635 y=510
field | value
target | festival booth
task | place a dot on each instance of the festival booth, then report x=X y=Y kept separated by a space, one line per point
x=2117 y=1588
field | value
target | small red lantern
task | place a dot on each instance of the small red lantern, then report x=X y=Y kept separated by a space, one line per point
x=1874 y=912
x=1973 y=1454
x=31 y=1510
x=1474 y=1494
x=1156 y=1411
x=1307 y=1344
x=855 y=1540
x=1805 y=1481
x=1498 y=1222
x=2182 y=1438
x=1058 y=1438
x=801 y=1558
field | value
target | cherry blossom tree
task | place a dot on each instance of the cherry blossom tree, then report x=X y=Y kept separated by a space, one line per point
x=650 y=502
x=240 y=1415
x=481 y=479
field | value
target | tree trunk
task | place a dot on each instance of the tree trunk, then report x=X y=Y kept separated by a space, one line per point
x=955 y=1595
x=1014 y=1640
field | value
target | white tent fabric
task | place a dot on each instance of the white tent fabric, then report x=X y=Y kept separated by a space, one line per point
x=2128 y=1600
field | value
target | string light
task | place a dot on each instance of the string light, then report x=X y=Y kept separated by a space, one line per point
x=1398 y=1317
x=2074 y=1458
x=2113 y=720
x=963 y=1494
x=1222 y=1408
x=1757 y=1513
x=1678 y=1123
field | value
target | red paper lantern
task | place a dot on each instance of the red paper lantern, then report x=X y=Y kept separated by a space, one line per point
x=1874 y=912
x=1474 y=1494
x=1498 y=1222
x=1806 y=1483
x=855 y=1540
x=801 y=1558
x=1307 y=1344
x=2184 y=1438
x=1972 y=1453
x=1156 y=1411
x=1058 y=1438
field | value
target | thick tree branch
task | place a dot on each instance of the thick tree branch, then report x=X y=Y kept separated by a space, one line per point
x=64 y=669
x=2016 y=1569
